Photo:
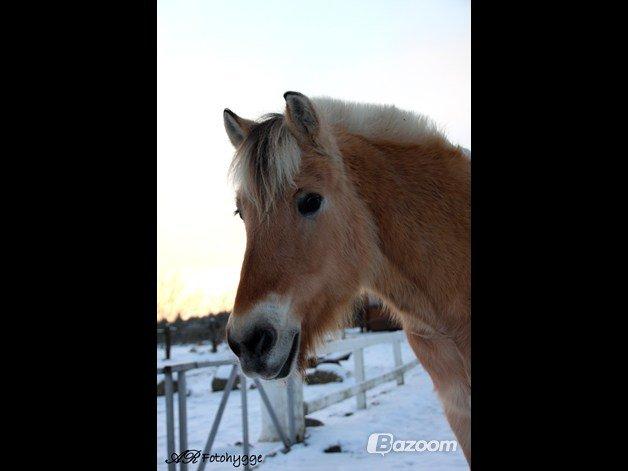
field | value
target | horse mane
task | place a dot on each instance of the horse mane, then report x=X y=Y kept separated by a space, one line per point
x=377 y=122
x=268 y=159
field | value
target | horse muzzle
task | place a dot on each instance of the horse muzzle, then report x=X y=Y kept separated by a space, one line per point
x=264 y=351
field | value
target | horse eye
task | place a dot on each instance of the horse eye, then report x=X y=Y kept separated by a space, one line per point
x=239 y=213
x=310 y=203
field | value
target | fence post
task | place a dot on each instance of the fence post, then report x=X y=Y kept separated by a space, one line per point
x=397 y=353
x=245 y=419
x=358 y=361
x=183 y=416
x=292 y=433
x=278 y=392
x=168 y=341
x=273 y=416
x=169 y=393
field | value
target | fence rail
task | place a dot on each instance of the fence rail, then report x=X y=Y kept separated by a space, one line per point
x=357 y=345
x=195 y=364
x=361 y=341
x=339 y=396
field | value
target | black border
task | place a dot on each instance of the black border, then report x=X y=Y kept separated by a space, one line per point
x=92 y=165
x=89 y=101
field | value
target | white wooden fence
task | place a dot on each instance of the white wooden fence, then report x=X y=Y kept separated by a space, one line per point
x=357 y=345
x=277 y=391
x=284 y=409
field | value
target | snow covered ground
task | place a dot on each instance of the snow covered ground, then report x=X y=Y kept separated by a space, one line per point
x=410 y=412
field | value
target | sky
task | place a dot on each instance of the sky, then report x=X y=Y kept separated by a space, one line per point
x=244 y=55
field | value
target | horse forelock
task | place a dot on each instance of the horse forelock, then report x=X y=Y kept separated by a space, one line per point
x=266 y=162
x=269 y=158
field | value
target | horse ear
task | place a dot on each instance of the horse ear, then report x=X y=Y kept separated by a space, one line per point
x=301 y=115
x=237 y=128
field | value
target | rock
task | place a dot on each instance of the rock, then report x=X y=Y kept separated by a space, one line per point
x=313 y=362
x=309 y=422
x=332 y=368
x=336 y=360
x=218 y=384
x=221 y=377
x=322 y=377
x=333 y=449
x=161 y=387
x=343 y=358
x=347 y=414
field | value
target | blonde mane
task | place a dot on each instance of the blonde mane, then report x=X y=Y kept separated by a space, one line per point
x=267 y=161
x=377 y=122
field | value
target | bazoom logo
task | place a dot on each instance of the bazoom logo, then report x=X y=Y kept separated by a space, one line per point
x=383 y=443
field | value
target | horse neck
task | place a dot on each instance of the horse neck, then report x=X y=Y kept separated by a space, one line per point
x=418 y=198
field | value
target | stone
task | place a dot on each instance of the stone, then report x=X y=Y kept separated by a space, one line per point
x=309 y=422
x=218 y=384
x=322 y=377
x=333 y=449
x=161 y=387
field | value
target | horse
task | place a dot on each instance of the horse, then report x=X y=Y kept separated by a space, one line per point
x=340 y=199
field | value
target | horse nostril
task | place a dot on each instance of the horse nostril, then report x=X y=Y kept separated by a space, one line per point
x=233 y=345
x=260 y=342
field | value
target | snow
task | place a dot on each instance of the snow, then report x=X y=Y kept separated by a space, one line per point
x=410 y=412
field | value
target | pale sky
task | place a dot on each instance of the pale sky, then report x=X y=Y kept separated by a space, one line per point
x=244 y=55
